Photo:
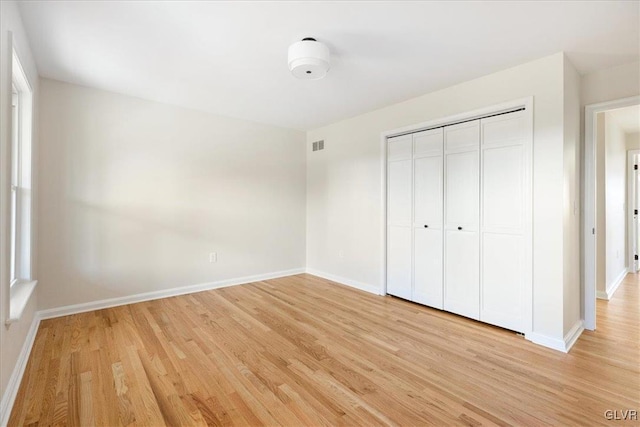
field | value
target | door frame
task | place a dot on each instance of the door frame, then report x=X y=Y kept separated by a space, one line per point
x=505 y=107
x=589 y=206
x=631 y=197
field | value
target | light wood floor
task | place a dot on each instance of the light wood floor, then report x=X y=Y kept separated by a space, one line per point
x=304 y=351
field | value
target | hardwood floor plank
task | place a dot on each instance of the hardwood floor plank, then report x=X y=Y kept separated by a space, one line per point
x=302 y=350
x=126 y=410
x=147 y=409
x=85 y=399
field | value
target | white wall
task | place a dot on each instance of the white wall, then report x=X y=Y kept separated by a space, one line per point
x=571 y=217
x=135 y=194
x=12 y=338
x=344 y=182
x=612 y=83
x=632 y=141
x=615 y=200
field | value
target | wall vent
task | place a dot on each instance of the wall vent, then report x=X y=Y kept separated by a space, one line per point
x=317 y=145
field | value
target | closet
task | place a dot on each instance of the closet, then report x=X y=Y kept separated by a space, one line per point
x=458 y=218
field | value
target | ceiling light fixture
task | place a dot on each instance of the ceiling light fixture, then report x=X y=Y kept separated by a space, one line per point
x=309 y=59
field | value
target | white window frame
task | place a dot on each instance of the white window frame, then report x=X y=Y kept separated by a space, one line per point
x=14 y=194
x=21 y=280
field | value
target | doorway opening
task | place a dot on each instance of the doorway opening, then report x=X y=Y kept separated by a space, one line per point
x=612 y=151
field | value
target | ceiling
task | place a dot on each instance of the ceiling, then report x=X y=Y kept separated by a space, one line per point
x=628 y=118
x=230 y=58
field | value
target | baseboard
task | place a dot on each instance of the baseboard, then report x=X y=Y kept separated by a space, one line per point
x=348 y=282
x=574 y=333
x=546 y=341
x=165 y=293
x=563 y=345
x=608 y=294
x=10 y=393
x=616 y=283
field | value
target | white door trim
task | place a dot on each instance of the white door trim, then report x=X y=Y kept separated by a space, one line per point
x=589 y=197
x=631 y=227
x=527 y=104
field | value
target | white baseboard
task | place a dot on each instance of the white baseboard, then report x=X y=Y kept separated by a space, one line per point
x=148 y=296
x=563 y=345
x=546 y=341
x=608 y=294
x=10 y=393
x=348 y=282
x=574 y=333
x=616 y=283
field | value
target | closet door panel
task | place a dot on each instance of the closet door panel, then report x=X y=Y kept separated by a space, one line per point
x=461 y=207
x=502 y=281
x=502 y=187
x=399 y=147
x=504 y=269
x=427 y=218
x=400 y=193
x=462 y=136
x=428 y=142
x=399 y=215
x=504 y=129
x=461 y=189
x=428 y=285
x=461 y=294
x=428 y=191
x=399 y=262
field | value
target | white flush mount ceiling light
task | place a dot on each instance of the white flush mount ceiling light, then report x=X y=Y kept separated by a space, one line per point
x=309 y=59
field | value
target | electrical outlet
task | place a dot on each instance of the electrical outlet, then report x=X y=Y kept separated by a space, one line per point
x=341 y=254
x=213 y=257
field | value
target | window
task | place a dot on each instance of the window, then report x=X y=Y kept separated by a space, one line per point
x=21 y=280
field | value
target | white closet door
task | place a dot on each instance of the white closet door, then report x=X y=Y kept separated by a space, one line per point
x=427 y=222
x=462 y=248
x=399 y=262
x=400 y=196
x=462 y=198
x=503 y=227
x=461 y=273
x=399 y=216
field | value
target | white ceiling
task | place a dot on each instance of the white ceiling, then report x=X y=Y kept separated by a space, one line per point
x=230 y=58
x=627 y=118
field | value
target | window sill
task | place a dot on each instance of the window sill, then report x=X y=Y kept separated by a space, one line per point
x=19 y=297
